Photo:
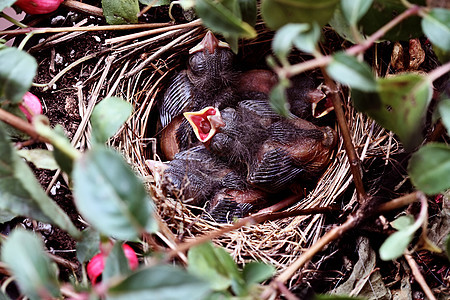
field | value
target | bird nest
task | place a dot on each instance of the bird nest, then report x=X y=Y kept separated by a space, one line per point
x=142 y=82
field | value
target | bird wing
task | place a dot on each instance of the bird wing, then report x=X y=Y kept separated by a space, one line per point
x=176 y=99
x=274 y=171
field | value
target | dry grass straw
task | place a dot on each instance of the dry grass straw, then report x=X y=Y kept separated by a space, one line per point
x=275 y=242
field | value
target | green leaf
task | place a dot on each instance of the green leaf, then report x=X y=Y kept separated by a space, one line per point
x=257 y=272
x=65 y=154
x=35 y=274
x=348 y=70
x=21 y=193
x=6 y=3
x=248 y=11
x=429 y=168
x=16 y=74
x=222 y=19
x=120 y=12
x=394 y=246
x=110 y=196
x=87 y=247
x=278 y=98
x=403 y=222
x=116 y=264
x=160 y=282
x=42 y=159
x=342 y=26
x=354 y=10
x=444 y=111
x=284 y=39
x=436 y=26
x=304 y=36
x=400 y=105
x=155 y=4
x=277 y=13
x=383 y=11
x=214 y=265
x=108 y=116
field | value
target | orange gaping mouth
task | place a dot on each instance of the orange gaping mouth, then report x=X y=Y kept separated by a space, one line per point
x=205 y=122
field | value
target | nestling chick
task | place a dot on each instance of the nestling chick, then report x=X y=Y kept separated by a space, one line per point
x=199 y=178
x=271 y=151
x=208 y=81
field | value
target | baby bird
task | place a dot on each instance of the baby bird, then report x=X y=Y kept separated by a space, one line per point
x=305 y=100
x=202 y=179
x=208 y=81
x=273 y=152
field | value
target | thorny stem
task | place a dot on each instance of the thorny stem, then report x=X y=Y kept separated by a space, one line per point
x=328 y=237
x=22 y=125
x=325 y=60
x=355 y=162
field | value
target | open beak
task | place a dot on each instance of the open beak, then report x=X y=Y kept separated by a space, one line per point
x=320 y=104
x=210 y=43
x=205 y=122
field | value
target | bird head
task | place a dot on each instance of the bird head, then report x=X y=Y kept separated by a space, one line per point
x=205 y=122
x=211 y=64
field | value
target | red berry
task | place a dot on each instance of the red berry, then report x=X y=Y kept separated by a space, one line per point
x=36 y=7
x=33 y=104
x=97 y=264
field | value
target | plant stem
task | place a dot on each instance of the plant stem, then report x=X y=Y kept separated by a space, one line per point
x=419 y=277
x=85 y=8
x=355 y=162
x=21 y=125
x=354 y=50
x=38 y=30
x=440 y=71
x=12 y=20
x=332 y=235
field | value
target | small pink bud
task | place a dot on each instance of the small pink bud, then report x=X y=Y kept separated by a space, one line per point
x=33 y=104
x=36 y=7
x=97 y=264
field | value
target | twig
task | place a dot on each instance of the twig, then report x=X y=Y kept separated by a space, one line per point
x=21 y=125
x=155 y=55
x=63 y=262
x=354 y=50
x=438 y=72
x=355 y=162
x=250 y=220
x=330 y=236
x=418 y=276
x=133 y=36
x=38 y=30
x=286 y=292
x=83 y=7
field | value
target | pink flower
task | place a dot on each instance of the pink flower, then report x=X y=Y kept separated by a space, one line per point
x=30 y=106
x=36 y=7
x=97 y=264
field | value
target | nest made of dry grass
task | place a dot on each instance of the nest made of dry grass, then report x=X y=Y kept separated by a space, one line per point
x=276 y=242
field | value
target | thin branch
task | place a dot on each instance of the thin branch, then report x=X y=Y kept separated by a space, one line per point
x=440 y=71
x=250 y=220
x=133 y=36
x=419 y=277
x=355 y=162
x=83 y=7
x=38 y=30
x=330 y=236
x=21 y=125
x=354 y=50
